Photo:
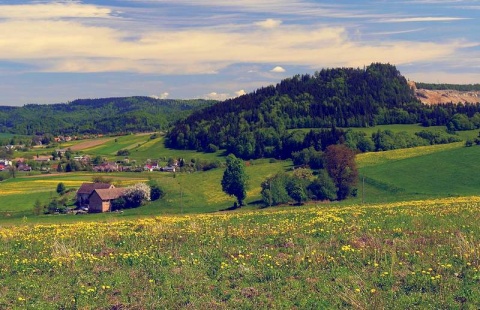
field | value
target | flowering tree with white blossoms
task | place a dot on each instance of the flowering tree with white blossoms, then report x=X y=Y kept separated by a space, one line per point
x=136 y=195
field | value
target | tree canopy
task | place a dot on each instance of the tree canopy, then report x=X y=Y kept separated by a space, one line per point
x=260 y=124
x=234 y=181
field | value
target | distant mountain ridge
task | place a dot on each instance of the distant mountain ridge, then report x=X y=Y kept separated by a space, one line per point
x=105 y=115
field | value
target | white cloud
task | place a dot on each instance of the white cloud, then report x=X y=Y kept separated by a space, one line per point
x=53 y=10
x=422 y=19
x=161 y=96
x=223 y=96
x=269 y=23
x=217 y=96
x=58 y=45
x=278 y=69
x=240 y=93
x=290 y=7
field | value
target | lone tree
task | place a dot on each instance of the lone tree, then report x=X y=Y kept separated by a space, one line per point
x=234 y=181
x=61 y=188
x=340 y=164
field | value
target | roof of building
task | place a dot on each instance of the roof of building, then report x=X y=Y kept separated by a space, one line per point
x=88 y=188
x=109 y=194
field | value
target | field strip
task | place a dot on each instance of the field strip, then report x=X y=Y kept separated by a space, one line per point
x=89 y=144
x=375 y=158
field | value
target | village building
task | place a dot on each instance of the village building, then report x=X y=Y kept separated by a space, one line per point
x=5 y=162
x=101 y=199
x=169 y=168
x=151 y=166
x=107 y=167
x=42 y=158
x=87 y=189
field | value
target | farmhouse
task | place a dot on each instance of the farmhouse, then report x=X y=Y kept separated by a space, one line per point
x=87 y=189
x=101 y=199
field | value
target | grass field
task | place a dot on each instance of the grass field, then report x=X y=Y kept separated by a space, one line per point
x=198 y=192
x=406 y=241
x=405 y=174
x=446 y=172
x=419 y=254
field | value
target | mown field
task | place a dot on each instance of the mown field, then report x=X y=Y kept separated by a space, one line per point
x=405 y=255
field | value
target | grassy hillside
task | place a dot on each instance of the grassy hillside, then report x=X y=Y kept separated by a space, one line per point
x=436 y=171
x=405 y=174
x=421 y=254
x=198 y=192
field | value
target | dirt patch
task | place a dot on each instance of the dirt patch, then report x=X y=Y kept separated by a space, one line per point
x=89 y=144
x=431 y=97
x=446 y=96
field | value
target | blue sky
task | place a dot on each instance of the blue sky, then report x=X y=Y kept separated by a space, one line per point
x=58 y=51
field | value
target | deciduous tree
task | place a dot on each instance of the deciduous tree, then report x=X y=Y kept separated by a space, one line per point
x=341 y=166
x=234 y=181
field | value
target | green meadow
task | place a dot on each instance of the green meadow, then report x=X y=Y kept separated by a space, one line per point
x=404 y=255
x=405 y=174
x=408 y=240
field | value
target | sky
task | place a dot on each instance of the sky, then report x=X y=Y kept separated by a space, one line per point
x=59 y=51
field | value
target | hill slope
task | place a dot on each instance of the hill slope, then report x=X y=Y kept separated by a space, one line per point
x=107 y=115
x=257 y=124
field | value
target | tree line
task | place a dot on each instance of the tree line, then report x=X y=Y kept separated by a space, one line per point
x=443 y=86
x=97 y=116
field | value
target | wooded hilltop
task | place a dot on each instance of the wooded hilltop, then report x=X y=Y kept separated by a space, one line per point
x=260 y=124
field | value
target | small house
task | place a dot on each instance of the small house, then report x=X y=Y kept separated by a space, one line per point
x=101 y=199
x=87 y=189
x=169 y=168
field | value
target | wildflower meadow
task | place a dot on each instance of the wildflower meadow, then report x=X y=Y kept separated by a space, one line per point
x=419 y=254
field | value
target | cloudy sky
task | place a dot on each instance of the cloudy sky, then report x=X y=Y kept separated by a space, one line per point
x=58 y=51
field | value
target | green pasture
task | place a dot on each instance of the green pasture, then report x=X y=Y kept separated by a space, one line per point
x=4 y=135
x=447 y=172
x=187 y=193
x=408 y=128
x=142 y=148
x=404 y=174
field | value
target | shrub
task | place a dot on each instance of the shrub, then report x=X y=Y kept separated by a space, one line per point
x=61 y=188
x=211 y=148
x=156 y=192
x=136 y=195
x=118 y=203
x=323 y=188
x=274 y=190
x=123 y=153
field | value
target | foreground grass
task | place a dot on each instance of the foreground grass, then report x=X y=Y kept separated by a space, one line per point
x=421 y=254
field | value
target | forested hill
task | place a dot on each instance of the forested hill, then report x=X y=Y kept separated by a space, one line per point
x=108 y=115
x=254 y=125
